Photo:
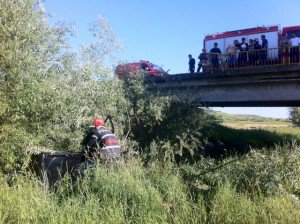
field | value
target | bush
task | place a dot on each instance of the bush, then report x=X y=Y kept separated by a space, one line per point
x=164 y=126
x=295 y=115
x=14 y=143
x=266 y=173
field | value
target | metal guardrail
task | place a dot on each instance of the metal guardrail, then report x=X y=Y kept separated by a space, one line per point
x=285 y=55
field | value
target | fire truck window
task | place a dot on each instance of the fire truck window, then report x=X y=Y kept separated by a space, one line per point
x=145 y=67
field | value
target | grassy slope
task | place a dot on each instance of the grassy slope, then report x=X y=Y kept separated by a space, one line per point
x=278 y=126
x=242 y=132
x=252 y=121
x=262 y=187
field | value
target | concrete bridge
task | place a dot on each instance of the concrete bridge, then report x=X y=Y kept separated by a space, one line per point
x=276 y=86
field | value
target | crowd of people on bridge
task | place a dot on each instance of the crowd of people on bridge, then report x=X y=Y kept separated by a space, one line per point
x=253 y=53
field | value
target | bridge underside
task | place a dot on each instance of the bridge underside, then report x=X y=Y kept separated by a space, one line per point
x=256 y=87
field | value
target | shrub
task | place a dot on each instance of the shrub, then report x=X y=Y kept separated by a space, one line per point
x=295 y=115
x=171 y=128
x=14 y=143
x=267 y=173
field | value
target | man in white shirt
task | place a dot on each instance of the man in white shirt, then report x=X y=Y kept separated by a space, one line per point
x=295 y=48
x=295 y=40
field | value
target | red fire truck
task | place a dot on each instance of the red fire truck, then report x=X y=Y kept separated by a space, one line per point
x=273 y=35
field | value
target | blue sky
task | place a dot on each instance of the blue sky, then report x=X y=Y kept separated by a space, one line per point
x=166 y=31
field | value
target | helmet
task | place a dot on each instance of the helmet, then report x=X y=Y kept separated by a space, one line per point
x=98 y=122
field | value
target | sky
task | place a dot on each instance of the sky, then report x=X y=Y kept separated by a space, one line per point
x=166 y=31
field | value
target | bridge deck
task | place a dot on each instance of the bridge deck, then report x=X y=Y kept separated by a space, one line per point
x=262 y=86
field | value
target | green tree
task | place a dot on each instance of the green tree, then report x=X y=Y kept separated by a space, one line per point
x=27 y=46
x=49 y=94
x=295 y=115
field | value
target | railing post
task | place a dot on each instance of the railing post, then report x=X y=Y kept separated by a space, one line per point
x=289 y=58
x=298 y=53
x=282 y=54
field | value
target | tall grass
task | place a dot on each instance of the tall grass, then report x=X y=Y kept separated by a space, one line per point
x=262 y=188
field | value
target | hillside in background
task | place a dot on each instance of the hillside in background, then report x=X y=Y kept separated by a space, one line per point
x=251 y=119
x=240 y=121
x=240 y=133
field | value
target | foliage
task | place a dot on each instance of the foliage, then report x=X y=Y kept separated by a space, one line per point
x=264 y=172
x=48 y=96
x=171 y=128
x=49 y=93
x=53 y=99
x=229 y=206
x=295 y=115
x=160 y=193
x=115 y=196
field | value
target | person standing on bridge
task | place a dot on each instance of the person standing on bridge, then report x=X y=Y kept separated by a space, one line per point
x=251 y=52
x=264 y=47
x=285 y=47
x=257 y=48
x=192 y=63
x=202 y=61
x=244 y=47
x=214 y=56
x=295 y=41
x=231 y=54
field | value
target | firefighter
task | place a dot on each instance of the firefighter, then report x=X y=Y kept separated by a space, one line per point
x=101 y=143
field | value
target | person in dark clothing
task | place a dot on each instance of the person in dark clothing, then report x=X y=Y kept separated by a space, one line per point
x=192 y=63
x=251 y=52
x=238 y=51
x=244 y=47
x=202 y=61
x=214 y=56
x=264 y=52
x=101 y=143
x=257 y=48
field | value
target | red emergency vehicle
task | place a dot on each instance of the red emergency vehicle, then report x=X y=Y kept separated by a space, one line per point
x=143 y=67
x=273 y=35
x=291 y=29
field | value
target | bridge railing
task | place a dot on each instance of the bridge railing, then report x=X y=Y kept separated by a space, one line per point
x=285 y=55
